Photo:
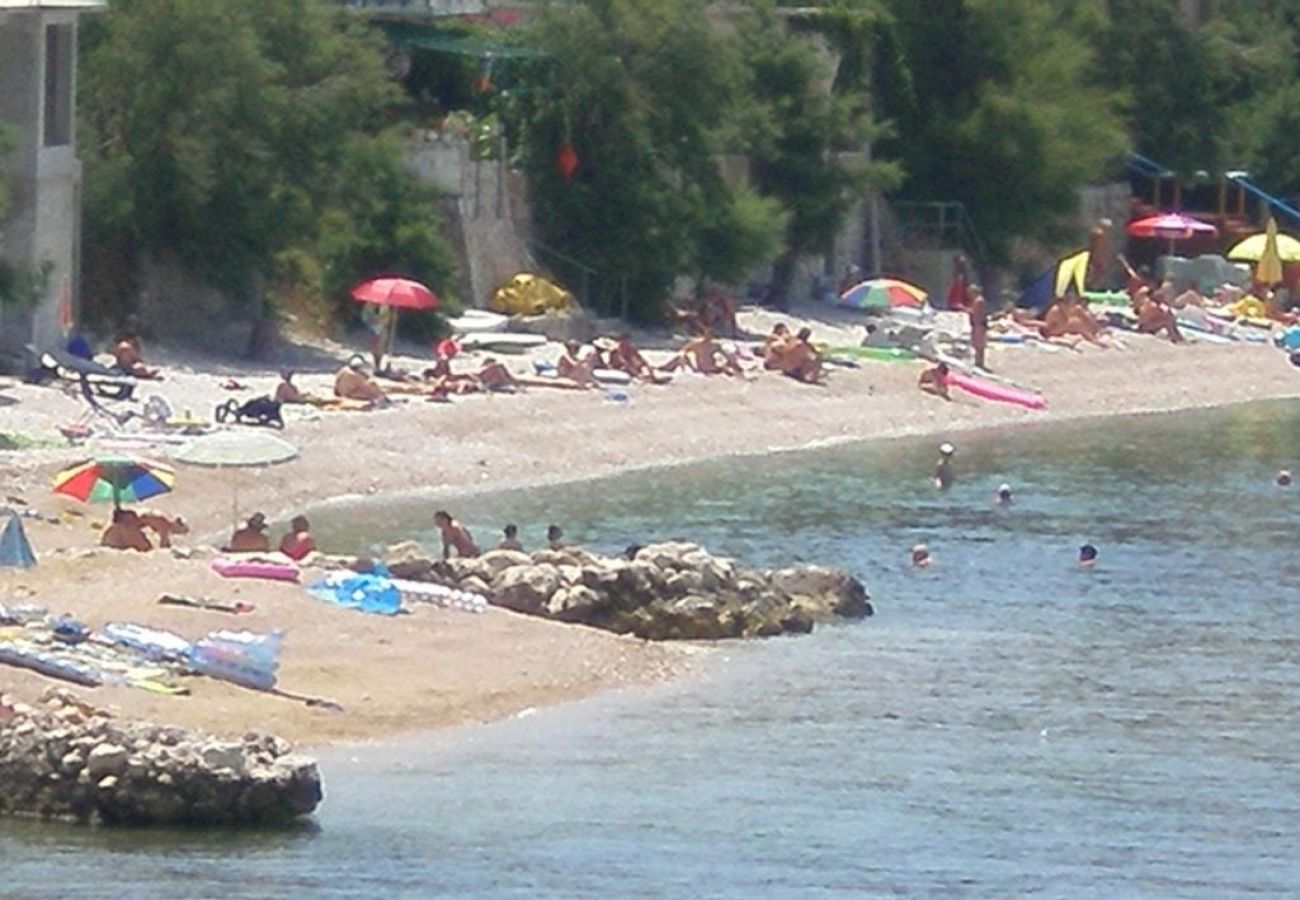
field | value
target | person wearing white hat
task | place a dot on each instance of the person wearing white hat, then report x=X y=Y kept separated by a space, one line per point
x=921 y=556
x=1004 y=495
x=943 y=474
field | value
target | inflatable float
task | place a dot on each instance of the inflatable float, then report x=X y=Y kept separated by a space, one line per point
x=229 y=567
x=991 y=390
x=880 y=353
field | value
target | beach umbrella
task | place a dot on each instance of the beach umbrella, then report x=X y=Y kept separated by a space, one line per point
x=394 y=294
x=882 y=293
x=1072 y=272
x=116 y=478
x=1268 y=268
x=1171 y=227
x=401 y=293
x=233 y=450
x=1253 y=248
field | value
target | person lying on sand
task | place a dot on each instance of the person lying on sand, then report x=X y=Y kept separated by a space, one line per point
x=455 y=536
x=934 y=380
x=297 y=541
x=494 y=376
x=163 y=526
x=1068 y=316
x=129 y=358
x=1154 y=316
x=125 y=533
x=352 y=383
x=575 y=367
x=625 y=357
x=251 y=538
x=704 y=355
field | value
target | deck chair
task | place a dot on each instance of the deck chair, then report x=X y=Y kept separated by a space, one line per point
x=107 y=382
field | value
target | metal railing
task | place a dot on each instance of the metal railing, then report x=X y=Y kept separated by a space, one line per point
x=942 y=223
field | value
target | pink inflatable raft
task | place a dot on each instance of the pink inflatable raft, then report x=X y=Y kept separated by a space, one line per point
x=992 y=390
x=230 y=567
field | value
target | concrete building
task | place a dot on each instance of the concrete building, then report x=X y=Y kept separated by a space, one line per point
x=41 y=225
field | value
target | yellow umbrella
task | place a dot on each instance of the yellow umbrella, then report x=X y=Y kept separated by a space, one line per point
x=1072 y=272
x=1268 y=268
x=1252 y=248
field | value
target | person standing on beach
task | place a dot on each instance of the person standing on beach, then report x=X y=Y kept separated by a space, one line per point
x=978 y=314
x=943 y=474
x=455 y=536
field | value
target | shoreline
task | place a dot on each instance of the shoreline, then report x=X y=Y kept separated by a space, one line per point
x=439 y=667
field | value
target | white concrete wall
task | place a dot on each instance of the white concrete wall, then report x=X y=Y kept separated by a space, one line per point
x=43 y=219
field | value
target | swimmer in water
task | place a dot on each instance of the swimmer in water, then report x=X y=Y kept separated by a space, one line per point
x=1004 y=495
x=943 y=475
x=921 y=556
x=1087 y=556
x=1283 y=478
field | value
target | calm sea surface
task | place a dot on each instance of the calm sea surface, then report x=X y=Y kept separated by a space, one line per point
x=1007 y=724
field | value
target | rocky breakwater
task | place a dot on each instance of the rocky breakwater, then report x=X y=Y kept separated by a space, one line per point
x=666 y=591
x=66 y=759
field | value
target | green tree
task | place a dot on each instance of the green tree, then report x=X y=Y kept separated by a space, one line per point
x=1002 y=110
x=809 y=120
x=217 y=129
x=645 y=92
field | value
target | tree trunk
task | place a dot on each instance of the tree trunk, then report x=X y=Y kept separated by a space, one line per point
x=783 y=270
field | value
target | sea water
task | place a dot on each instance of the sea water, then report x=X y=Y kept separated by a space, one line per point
x=1007 y=724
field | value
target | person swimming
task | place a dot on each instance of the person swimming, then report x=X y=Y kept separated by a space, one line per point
x=1087 y=556
x=1005 y=497
x=921 y=557
x=1283 y=478
x=455 y=536
x=943 y=474
x=510 y=538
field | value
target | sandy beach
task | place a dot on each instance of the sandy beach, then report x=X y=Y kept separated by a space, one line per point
x=438 y=667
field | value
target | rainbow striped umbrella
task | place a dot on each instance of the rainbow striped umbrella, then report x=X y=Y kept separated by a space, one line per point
x=115 y=478
x=882 y=293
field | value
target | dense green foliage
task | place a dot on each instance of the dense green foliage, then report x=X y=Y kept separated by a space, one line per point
x=253 y=139
x=248 y=139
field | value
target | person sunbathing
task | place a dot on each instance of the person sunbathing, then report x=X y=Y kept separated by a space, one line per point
x=625 y=357
x=297 y=541
x=287 y=392
x=125 y=533
x=775 y=344
x=1068 y=316
x=1154 y=316
x=251 y=538
x=934 y=380
x=573 y=366
x=351 y=383
x=163 y=526
x=704 y=355
x=128 y=358
x=493 y=376
x=800 y=360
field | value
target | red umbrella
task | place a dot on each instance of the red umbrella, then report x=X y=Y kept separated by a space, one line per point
x=1170 y=226
x=395 y=293
x=400 y=292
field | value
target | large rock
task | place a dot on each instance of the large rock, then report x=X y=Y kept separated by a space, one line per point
x=526 y=588
x=100 y=770
x=671 y=590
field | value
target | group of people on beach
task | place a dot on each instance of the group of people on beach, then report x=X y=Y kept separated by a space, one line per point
x=457 y=540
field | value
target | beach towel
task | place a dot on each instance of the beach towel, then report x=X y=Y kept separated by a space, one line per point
x=15 y=550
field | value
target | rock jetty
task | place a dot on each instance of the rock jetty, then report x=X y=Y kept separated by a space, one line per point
x=69 y=760
x=667 y=591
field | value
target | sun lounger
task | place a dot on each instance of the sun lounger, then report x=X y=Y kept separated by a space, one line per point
x=104 y=381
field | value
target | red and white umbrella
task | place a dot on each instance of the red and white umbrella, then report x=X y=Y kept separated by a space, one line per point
x=1171 y=227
